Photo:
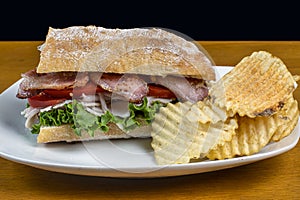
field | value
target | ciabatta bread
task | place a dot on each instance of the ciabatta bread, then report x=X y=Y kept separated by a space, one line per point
x=138 y=50
x=65 y=133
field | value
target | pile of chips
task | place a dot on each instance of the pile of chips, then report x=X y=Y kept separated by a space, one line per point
x=246 y=109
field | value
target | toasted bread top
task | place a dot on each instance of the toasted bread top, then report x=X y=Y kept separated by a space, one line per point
x=138 y=50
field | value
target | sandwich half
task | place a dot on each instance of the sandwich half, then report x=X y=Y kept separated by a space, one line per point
x=95 y=83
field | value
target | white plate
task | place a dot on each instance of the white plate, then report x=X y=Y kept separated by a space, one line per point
x=110 y=158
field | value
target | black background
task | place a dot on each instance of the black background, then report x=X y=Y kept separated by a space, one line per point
x=199 y=20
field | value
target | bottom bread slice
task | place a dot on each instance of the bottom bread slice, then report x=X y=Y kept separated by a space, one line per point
x=65 y=133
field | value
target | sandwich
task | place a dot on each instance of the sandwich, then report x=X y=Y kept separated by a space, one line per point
x=94 y=83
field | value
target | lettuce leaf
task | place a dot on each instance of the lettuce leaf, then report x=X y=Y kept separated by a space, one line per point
x=84 y=120
x=81 y=120
x=55 y=117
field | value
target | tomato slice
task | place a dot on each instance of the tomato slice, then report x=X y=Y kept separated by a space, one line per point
x=65 y=93
x=160 y=92
x=89 y=89
x=51 y=97
x=43 y=100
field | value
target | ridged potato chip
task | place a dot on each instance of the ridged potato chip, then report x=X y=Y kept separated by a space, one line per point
x=171 y=138
x=205 y=111
x=215 y=134
x=251 y=136
x=256 y=86
x=183 y=131
x=255 y=133
x=290 y=116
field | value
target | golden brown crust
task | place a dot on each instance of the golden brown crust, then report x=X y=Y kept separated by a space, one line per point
x=144 y=51
x=257 y=86
x=67 y=134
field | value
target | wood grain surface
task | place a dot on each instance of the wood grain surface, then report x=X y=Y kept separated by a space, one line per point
x=274 y=178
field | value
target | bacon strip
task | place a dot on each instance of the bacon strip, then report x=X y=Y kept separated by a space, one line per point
x=58 y=80
x=185 y=89
x=33 y=82
x=131 y=87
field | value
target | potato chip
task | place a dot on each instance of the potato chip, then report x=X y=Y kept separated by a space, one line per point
x=214 y=127
x=215 y=134
x=183 y=131
x=205 y=111
x=171 y=139
x=289 y=116
x=255 y=133
x=251 y=136
x=256 y=86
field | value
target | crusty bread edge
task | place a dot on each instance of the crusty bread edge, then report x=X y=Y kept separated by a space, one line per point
x=65 y=133
x=137 y=50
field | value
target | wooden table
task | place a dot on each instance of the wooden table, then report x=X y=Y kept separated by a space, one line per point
x=274 y=178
